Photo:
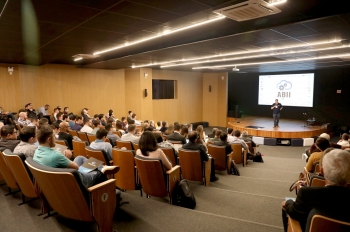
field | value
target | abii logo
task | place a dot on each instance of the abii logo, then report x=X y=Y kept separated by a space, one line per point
x=283 y=86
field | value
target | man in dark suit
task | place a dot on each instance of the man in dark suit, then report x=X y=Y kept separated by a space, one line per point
x=332 y=200
x=176 y=136
x=193 y=145
x=64 y=134
x=223 y=142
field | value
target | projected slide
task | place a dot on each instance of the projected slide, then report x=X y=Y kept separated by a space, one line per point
x=289 y=89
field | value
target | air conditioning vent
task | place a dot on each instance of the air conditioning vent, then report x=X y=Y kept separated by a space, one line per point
x=248 y=10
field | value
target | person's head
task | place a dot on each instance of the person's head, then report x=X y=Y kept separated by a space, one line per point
x=29 y=106
x=124 y=119
x=110 y=120
x=34 y=120
x=59 y=116
x=229 y=131
x=109 y=127
x=200 y=131
x=144 y=126
x=8 y=132
x=46 y=136
x=218 y=133
x=65 y=118
x=97 y=123
x=177 y=127
x=326 y=136
x=66 y=110
x=84 y=111
x=147 y=143
x=23 y=115
x=27 y=134
x=214 y=130
x=87 y=122
x=47 y=107
x=244 y=134
x=151 y=123
x=237 y=133
x=101 y=134
x=345 y=136
x=56 y=127
x=322 y=143
x=72 y=117
x=131 y=128
x=324 y=153
x=184 y=131
x=119 y=125
x=336 y=167
x=43 y=121
x=110 y=113
x=96 y=117
x=130 y=113
x=170 y=129
x=158 y=137
x=64 y=127
x=133 y=116
x=176 y=123
x=193 y=136
x=56 y=111
x=100 y=116
x=164 y=124
x=159 y=124
x=79 y=120
x=276 y=101
x=223 y=137
x=59 y=108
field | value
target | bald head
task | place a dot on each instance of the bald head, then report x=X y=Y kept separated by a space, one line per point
x=64 y=126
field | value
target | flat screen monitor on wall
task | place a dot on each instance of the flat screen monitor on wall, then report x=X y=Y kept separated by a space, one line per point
x=289 y=89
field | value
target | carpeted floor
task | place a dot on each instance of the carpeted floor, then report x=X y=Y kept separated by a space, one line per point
x=250 y=202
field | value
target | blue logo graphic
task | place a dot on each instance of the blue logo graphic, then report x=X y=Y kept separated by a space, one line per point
x=284 y=85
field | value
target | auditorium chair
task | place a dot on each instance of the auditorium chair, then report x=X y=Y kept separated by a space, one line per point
x=73 y=133
x=91 y=137
x=126 y=144
x=192 y=167
x=219 y=154
x=98 y=154
x=127 y=177
x=135 y=146
x=174 y=142
x=22 y=176
x=61 y=142
x=251 y=148
x=238 y=154
x=7 y=175
x=154 y=180
x=79 y=148
x=83 y=137
x=170 y=154
x=18 y=127
x=117 y=133
x=67 y=195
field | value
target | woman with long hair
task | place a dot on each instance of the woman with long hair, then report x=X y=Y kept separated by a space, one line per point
x=184 y=131
x=201 y=134
x=148 y=148
x=170 y=129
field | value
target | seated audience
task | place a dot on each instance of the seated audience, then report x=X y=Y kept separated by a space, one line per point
x=184 y=131
x=201 y=134
x=217 y=136
x=313 y=147
x=136 y=122
x=55 y=112
x=66 y=110
x=111 y=136
x=110 y=114
x=78 y=123
x=194 y=145
x=158 y=125
x=344 y=140
x=85 y=113
x=100 y=143
x=148 y=148
x=151 y=125
x=124 y=123
x=28 y=139
x=64 y=134
x=130 y=113
x=170 y=129
x=130 y=136
x=47 y=156
x=87 y=126
x=30 y=111
x=176 y=136
x=321 y=144
x=212 y=135
x=59 y=117
x=71 y=120
x=95 y=118
x=5 y=115
x=23 y=119
x=119 y=127
x=144 y=127
x=331 y=200
x=246 y=138
x=44 y=110
x=97 y=125
x=56 y=129
x=164 y=127
x=230 y=137
x=34 y=122
x=236 y=139
x=8 y=137
x=102 y=119
x=223 y=142
x=43 y=121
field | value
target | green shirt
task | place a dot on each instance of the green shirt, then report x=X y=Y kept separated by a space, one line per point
x=49 y=157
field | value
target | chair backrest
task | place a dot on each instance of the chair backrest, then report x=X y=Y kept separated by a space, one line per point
x=63 y=190
x=191 y=165
x=174 y=142
x=152 y=176
x=61 y=142
x=97 y=154
x=126 y=176
x=7 y=173
x=20 y=172
x=52 y=119
x=79 y=148
x=91 y=137
x=170 y=154
x=317 y=181
x=236 y=153
x=18 y=127
x=117 y=133
x=250 y=147
x=219 y=153
x=83 y=136
x=135 y=146
x=73 y=133
x=125 y=144
x=322 y=223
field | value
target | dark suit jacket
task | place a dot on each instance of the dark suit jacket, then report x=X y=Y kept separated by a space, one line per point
x=177 y=137
x=228 y=147
x=163 y=129
x=197 y=147
x=67 y=137
x=332 y=200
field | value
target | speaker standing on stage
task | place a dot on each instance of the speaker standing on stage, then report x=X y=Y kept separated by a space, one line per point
x=276 y=109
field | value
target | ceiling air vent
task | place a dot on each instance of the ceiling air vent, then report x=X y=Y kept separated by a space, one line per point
x=248 y=10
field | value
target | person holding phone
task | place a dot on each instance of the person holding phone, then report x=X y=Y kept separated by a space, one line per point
x=276 y=109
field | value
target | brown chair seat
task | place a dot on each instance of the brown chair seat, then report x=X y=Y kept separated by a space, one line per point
x=79 y=148
x=238 y=155
x=170 y=154
x=98 y=154
x=91 y=137
x=7 y=174
x=126 y=144
x=83 y=136
x=219 y=154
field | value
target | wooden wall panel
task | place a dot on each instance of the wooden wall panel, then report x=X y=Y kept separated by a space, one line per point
x=10 y=89
x=146 y=102
x=133 y=92
x=188 y=105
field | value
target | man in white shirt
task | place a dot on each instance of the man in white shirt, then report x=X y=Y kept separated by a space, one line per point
x=236 y=139
x=230 y=138
x=137 y=122
x=87 y=126
x=100 y=143
x=130 y=136
x=22 y=119
x=44 y=110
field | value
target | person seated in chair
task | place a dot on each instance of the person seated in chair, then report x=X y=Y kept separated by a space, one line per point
x=97 y=125
x=148 y=148
x=119 y=127
x=34 y=122
x=176 y=136
x=321 y=144
x=28 y=139
x=217 y=136
x=43 y=121
x=59 y=117
x=44 y=110
x=194 y=145
x=223 y=142
x=64 y=134
x=100 y=143
x=344 y=140
x=164 y=127
x=30 y=111
x=246 y=138
x=87 y=126
x=47 y=156
x=313 y=147
x=332 y=200
x=8 y=137
x=212 y=135
x=130 y=136
x=236 y=139
x=111 y=136
x=136 y=122
x=23 y=119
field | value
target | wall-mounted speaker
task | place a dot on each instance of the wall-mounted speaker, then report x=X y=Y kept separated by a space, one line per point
x=209 y=88
x=145 y=92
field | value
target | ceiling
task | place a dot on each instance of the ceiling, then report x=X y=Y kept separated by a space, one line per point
x=37 y=33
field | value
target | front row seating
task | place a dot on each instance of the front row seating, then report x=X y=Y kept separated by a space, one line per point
x=67 y=195
x=239 y=156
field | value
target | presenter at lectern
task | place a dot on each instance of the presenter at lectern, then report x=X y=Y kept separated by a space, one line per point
x=276 y=109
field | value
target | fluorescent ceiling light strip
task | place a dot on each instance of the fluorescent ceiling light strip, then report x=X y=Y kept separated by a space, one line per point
x=277 y=2
x=80 y=58
x=257 y=56
x=239 y=53
x=3 y=9
x=159 y=35
x=269 y=62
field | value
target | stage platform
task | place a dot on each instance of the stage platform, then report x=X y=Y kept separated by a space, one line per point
x=288 y=128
